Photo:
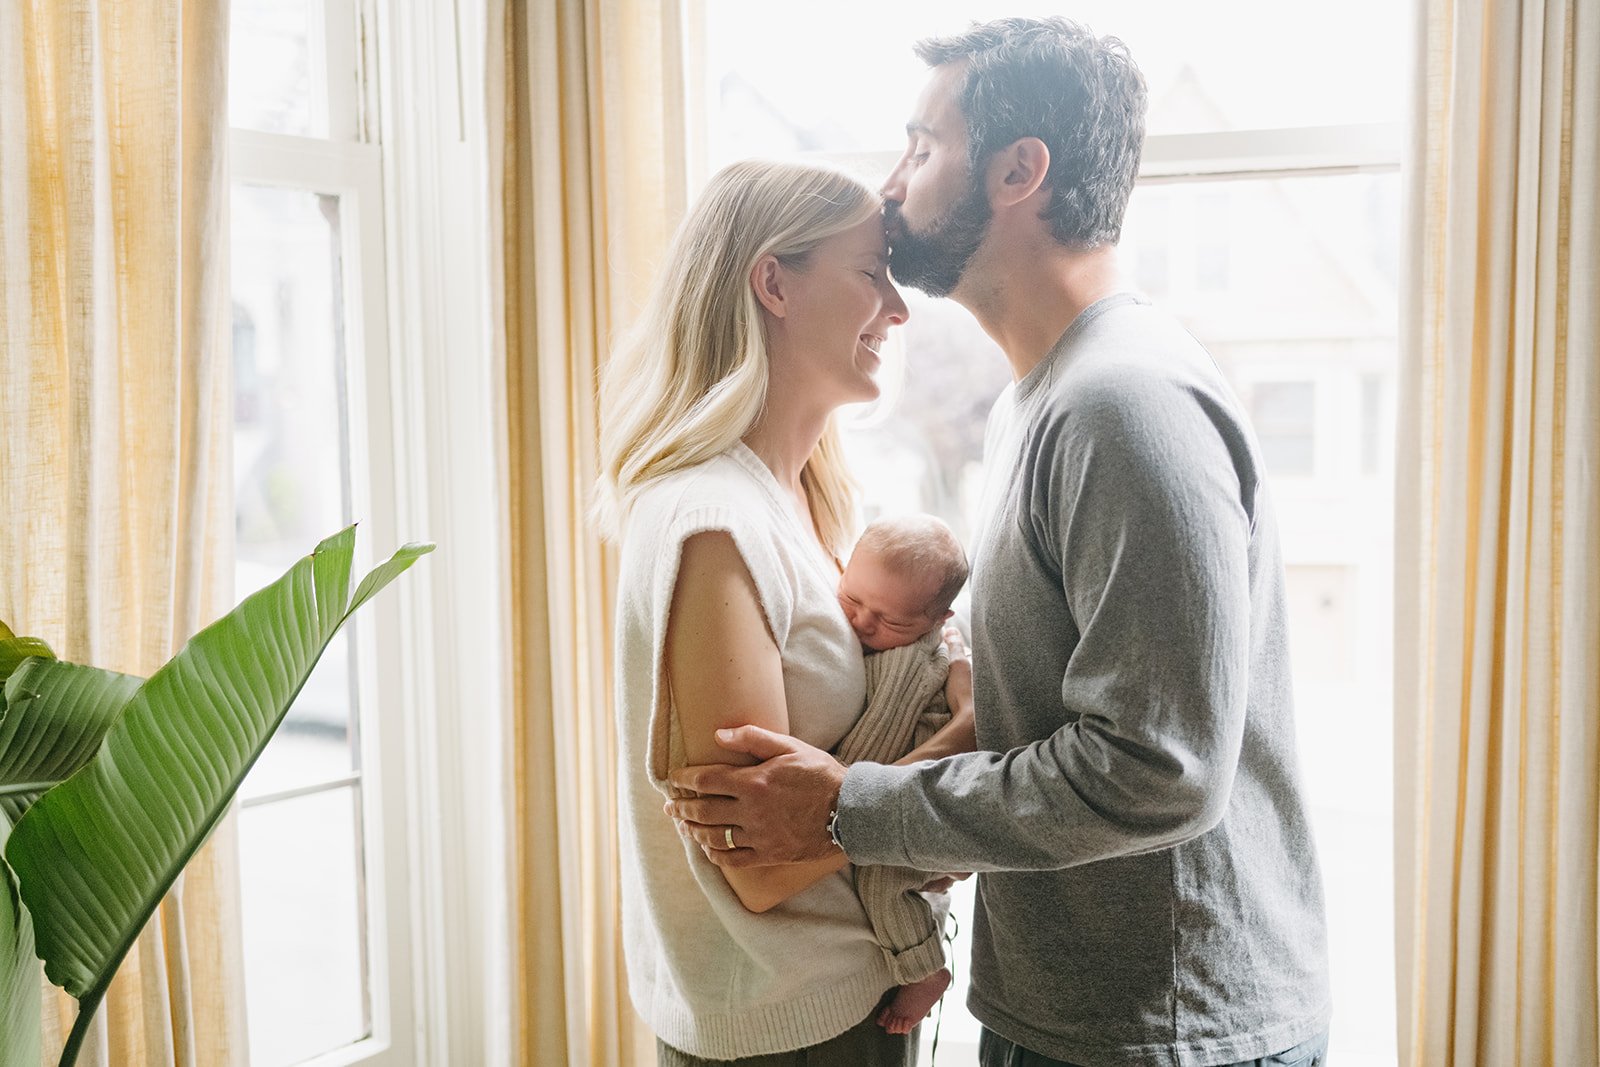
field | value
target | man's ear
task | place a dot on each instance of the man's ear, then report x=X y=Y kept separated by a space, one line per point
x=768 y=281
x=1017 y=171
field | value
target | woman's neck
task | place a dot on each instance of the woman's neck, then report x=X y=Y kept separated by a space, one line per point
x=783 y=441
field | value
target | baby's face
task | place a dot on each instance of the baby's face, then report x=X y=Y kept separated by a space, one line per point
x=885 y=609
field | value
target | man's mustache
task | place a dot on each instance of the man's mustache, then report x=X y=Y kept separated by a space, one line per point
x=893 y=223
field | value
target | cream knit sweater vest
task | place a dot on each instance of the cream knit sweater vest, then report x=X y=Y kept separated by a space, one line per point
x=711 y=978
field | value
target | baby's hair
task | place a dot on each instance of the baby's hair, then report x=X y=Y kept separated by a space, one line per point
x=920 y=545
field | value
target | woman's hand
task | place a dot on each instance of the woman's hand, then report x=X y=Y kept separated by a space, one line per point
x=958 y=686
x=942 y=883
x=773 y=813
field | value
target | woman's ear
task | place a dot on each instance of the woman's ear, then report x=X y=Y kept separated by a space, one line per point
x=767 y=279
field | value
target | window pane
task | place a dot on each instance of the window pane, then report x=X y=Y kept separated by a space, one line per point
x=776 y=84
x=290 y=444
x=301 y=860
x=304 y=926
x=277 y=67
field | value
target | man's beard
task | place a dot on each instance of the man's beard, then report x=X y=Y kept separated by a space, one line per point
x=935 y=259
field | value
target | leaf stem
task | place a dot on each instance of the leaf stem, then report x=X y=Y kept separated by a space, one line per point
x=80 y=1027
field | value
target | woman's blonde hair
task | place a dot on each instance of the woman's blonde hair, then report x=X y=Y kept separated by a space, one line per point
x=690 y=379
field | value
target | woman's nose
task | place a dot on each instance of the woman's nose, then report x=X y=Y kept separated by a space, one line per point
x=895 y=306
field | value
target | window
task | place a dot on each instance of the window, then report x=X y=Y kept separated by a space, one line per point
x=308 y=293
x=1267 y=219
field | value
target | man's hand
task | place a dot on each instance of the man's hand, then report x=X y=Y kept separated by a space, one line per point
x=775 y=812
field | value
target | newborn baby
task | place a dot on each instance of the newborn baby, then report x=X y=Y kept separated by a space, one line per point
x=896 y=591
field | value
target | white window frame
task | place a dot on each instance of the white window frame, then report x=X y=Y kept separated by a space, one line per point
x=426 y=465
x=1227 y=154
x=351 y=171
x=449 y=469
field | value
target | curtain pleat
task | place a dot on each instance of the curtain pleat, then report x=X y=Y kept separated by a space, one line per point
x=115 y=513
x=1498 y=550
x=587 y=160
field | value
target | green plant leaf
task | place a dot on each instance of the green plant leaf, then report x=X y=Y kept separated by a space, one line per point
x=95 y=855
x=20 y=1006
x=51 y=722
x=14 y=649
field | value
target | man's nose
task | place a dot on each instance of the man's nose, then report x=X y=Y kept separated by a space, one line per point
x=894 y=186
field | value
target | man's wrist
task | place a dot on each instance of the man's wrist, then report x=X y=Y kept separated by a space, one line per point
x=869 y=826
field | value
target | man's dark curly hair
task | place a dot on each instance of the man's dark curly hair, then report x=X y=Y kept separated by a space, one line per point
x=1082 y=95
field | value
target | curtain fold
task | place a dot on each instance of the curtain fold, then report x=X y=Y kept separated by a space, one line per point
x=115 y=516
x=587 y=161
x=1498 y=541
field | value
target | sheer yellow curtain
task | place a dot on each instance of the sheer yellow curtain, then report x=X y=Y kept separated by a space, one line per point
x=114 y=502
x=587 y=156
x=1498 y=558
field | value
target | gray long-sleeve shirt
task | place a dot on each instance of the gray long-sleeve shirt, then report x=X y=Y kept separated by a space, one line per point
x=1150 y=891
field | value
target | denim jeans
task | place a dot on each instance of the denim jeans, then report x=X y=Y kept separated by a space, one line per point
x=996 y=1051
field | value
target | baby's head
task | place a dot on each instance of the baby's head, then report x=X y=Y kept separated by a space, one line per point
x=901 y=579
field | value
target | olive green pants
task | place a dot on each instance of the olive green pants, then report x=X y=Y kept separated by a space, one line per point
x=864 y=1045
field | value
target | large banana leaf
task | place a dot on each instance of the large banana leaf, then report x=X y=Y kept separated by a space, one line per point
x=53 y=716
x=19 y=974
x=19 y=967
x=95 y=855
x=52 y=720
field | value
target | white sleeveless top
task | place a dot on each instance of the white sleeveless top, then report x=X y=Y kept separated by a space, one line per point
x=711 y=978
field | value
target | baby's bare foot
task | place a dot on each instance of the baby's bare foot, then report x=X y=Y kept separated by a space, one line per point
x=912 y=1003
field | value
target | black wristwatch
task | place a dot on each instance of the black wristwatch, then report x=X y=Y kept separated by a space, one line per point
x=833 y=829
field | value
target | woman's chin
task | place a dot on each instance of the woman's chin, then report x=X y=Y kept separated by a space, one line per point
x=867 y=393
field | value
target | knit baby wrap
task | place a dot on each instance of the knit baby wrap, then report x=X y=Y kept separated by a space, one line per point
x=905 y=707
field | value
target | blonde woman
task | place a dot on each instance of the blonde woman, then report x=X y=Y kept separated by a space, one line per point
x=723 y=481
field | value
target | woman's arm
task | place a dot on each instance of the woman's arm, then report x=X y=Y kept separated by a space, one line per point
x=724 y=670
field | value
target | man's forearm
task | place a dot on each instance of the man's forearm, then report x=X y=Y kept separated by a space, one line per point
x=1020 y=810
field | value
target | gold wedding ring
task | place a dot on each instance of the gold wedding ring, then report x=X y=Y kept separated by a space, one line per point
x=727 y=835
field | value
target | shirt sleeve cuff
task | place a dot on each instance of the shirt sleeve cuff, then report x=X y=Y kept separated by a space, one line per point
x=871 y=823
